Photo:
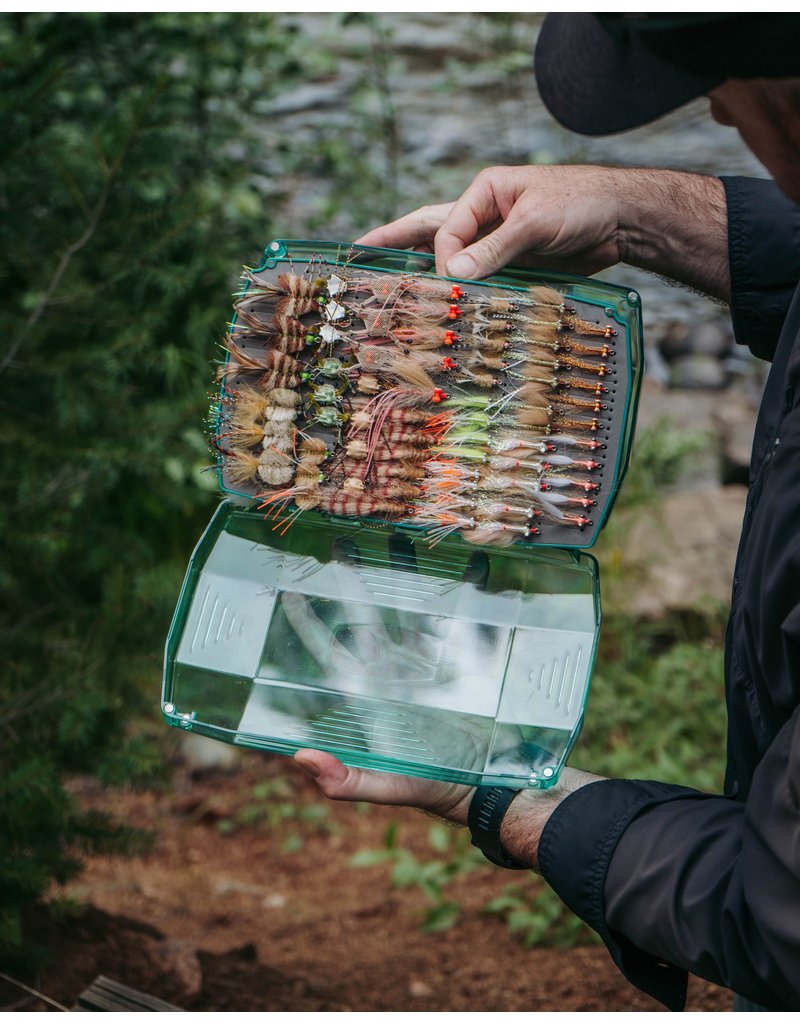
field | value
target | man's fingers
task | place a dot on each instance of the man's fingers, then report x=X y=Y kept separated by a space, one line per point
x=339 y=782
x=468 y=218
x=490 y=254
x=497 y=249
x=486 y=228
x=566 y=216
x=415 y=230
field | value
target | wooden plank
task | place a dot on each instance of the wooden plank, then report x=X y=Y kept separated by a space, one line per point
x=107 y=995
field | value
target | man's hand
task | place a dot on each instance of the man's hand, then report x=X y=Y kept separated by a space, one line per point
x=575 y=219
x=563 y=218
x=338 y=782
x=522 y=825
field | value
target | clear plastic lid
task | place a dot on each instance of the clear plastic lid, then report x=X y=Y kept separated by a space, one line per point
x=462 y=663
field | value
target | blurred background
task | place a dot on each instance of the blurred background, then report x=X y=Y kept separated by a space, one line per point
x=145 y=158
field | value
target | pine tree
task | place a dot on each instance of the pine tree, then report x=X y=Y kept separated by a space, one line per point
x=128 y=198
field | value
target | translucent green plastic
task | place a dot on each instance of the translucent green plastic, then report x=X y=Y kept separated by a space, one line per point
x=454 y=662
x=462 y=663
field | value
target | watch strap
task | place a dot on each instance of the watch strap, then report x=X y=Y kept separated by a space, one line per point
x=486 y=812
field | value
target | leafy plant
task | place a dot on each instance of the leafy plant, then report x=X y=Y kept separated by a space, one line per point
x=456 y=857
x=657 y=698
x=269 y=805
x=536 y=916
x=658 y=713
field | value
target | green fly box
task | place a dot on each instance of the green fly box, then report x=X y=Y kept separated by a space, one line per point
x=413 y=466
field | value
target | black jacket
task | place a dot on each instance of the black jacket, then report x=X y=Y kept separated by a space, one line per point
x=671 y=878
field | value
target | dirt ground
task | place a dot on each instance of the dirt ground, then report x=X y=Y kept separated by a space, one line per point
x=248 y=901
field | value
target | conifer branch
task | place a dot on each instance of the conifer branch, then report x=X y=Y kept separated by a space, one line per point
x=69 y=253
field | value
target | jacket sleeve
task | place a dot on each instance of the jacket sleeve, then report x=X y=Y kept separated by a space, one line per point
x=675 y=880
x=764 y=255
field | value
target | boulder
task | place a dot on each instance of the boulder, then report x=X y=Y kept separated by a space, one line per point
x=710 y=338
x=685 y=412
x=680 y=556
x=698 y=371
x=177 y=959
x=672 y=339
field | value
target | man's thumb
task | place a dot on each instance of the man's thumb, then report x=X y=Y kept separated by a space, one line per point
x=463 y=265
x=482 y=258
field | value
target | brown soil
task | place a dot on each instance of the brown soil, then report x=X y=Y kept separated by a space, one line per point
x=250 y=903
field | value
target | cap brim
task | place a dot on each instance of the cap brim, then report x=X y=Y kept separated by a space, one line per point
x=594 y=86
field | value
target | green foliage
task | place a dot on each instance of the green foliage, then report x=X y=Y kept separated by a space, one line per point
x=350 y=158
x=42 y=834
x=661 y=454
x=537 y=917
x=270 y=806
x=456 y=857
x=657 y=712
x=129 y=197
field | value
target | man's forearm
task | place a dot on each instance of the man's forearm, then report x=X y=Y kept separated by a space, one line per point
x=676 y=225
x=576 y=218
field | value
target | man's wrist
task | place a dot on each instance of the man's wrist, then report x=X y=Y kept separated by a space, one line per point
x=523 y=824
x=458 y=811
x=528 y=813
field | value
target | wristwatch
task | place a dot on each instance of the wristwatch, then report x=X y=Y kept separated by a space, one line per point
x=487 y=810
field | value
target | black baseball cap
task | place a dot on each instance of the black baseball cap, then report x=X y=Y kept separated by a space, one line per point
x=605 y=73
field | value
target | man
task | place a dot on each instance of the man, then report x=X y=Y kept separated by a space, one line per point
x=672 y=879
